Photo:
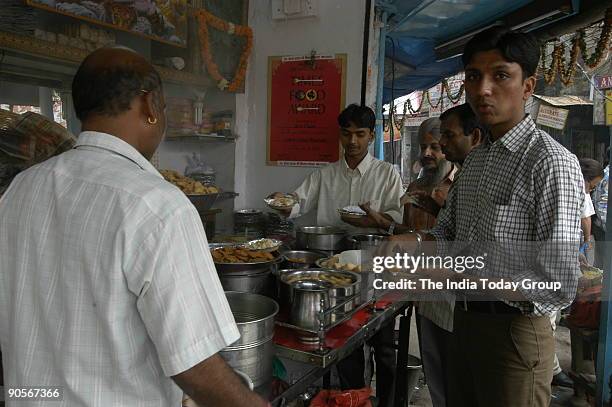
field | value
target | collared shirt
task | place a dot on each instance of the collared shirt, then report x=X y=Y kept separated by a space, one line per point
x=600 y=199
x=522 y=192
x=416 y=218
x=439 y=312
x=587 y=206
x=107 y=287
x=336 y=186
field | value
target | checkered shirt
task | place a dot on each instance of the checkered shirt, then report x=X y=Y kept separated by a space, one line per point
x=520 y=197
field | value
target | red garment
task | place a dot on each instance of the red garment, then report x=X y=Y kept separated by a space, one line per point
x=343 y=398
x=586 y=309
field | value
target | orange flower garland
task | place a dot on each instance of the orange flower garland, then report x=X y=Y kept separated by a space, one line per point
x=566 y=70
x=205 y=19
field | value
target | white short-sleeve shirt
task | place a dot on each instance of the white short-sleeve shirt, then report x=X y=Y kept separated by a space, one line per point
x=587 y=206
x=107 y=286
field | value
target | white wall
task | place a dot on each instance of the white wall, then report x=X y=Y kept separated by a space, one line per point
x=338 y=28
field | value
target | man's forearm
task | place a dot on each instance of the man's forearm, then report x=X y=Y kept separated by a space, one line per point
x=586 y=228
x=213 y=383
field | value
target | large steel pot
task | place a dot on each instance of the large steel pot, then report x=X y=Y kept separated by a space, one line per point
x=252 y=354
x=257 y=283
x=246 y=269
x=249 y=277
x=366 y=241
x=328 y=238
x=337 y=294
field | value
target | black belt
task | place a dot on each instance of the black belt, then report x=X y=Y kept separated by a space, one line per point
x=487 y=307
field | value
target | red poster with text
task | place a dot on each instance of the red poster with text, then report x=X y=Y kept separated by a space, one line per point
x=305 y=97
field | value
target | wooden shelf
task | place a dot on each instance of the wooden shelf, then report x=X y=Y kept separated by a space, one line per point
x=52 y=51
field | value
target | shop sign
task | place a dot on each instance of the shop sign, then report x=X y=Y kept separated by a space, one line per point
x=603 y=82
x=305 y=97
x=552 y=116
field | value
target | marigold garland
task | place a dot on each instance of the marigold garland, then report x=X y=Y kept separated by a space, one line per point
x=567 y=70
x=408 y=109
x=205 y=19
x=603 y=43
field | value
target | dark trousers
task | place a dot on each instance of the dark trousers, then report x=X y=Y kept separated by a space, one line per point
x=351 y=369
x=501 y=360
x=600 y=244
x=434 y=343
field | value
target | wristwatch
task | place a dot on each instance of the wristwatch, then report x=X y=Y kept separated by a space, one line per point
x=391 y=227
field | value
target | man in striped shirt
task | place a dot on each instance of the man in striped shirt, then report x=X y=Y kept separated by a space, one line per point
x=108 y=292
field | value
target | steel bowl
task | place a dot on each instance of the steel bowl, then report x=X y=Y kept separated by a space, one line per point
x=329 y=238
x=247 y=268
x=276 y=244
x=300 y=259
x=366 y=241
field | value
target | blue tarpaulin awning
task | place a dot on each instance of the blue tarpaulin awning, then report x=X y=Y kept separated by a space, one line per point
x=417 y=27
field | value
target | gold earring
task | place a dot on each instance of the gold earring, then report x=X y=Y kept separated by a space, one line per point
x=152 y=121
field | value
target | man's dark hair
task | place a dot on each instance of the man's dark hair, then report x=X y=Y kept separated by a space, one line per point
x=522 y=48
x=591 y=169
x=466 y=116
x=360 y=116
x=109 y=91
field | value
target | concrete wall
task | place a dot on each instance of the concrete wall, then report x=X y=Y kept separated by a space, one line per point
x=338 y=28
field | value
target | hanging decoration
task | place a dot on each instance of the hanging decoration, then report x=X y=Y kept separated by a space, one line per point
x=399 y=120
x=207 y=19
x=567 y=70
x=551 y=73
x=436 y=105
x=454 y=99
x=566 y=73
x=602 y=45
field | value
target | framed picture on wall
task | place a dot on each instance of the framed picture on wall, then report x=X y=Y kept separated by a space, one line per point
x=305 y=96
x=160 y=20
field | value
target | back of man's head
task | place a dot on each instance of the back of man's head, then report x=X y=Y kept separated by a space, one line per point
x=108 y=79
x=591 y=169
x=359 y=115
x=522 y=48
x=467 y=118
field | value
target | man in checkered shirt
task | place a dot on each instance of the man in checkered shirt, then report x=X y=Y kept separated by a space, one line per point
x=518 y=199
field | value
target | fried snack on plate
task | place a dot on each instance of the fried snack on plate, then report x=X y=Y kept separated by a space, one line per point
x=238 y=255
x=188 y=185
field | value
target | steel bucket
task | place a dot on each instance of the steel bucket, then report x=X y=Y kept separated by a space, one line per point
x=252 y=354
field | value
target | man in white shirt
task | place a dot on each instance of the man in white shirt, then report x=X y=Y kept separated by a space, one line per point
x=355 y=179
x=107 y=290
